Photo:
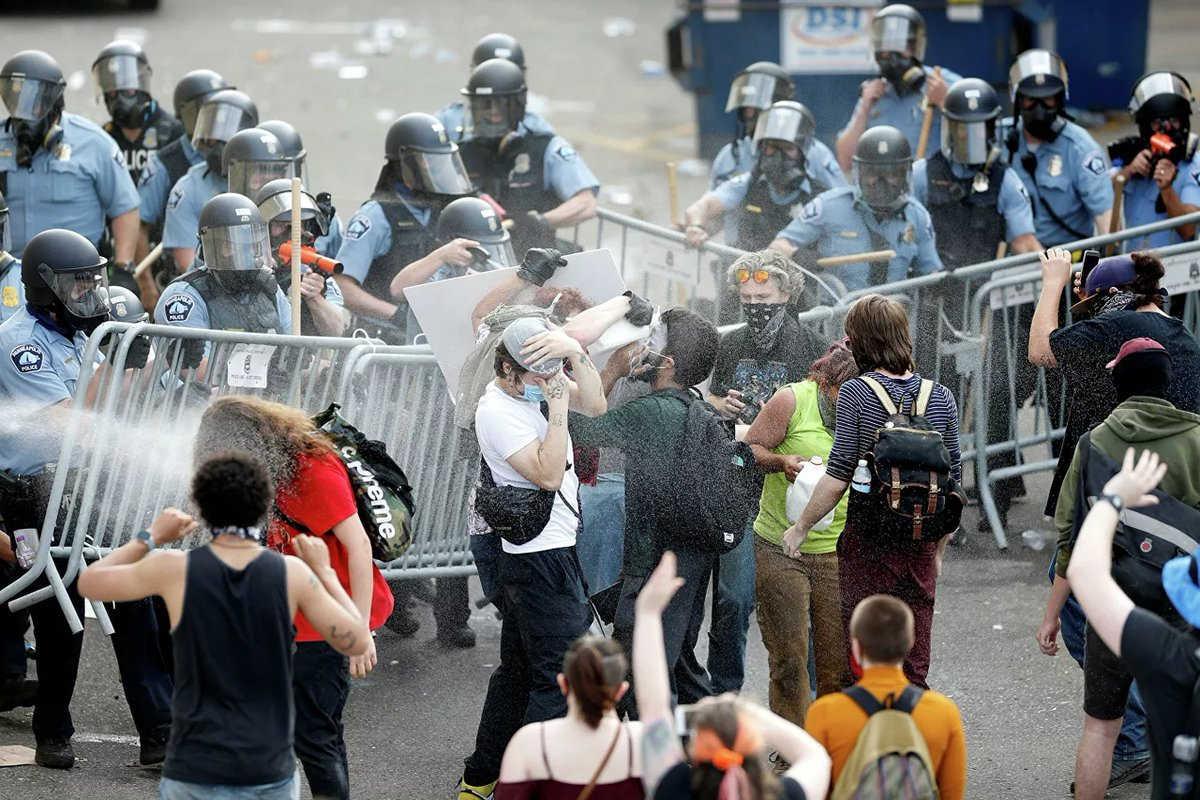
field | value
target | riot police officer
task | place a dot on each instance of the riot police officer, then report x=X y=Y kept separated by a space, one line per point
x=396 y=227
x=538 y=178
x=12 y=290
x=876 y=213
x=222 y=115
x=1164 y=181
x=322 y=312
x=43 y=344
x=456 y=116
x=59 y=170
x=791 y=169
x=138 y=124
x=1059 y=162
x=753 y=91
x=328 y=243
x=253 y=158
x=906 y=86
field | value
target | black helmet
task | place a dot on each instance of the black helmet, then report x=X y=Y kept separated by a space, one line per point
x=1038 y=73
x=191 y=92
x=274 y=201
x=1161 y=95
x=222 y=115
x=787 y=121
x=898 y=29
x=969 y=115
x=31 y=85
x=429 y=162
x=5 y=235
x=759 y=86
x=122 y=75
x=289 y=137
x=252 y=158
x=498 y=45
x=63 y=272
x=882 y=163
x=234 y=239
x=124 y=306
x=472 y=218
x=496 y=92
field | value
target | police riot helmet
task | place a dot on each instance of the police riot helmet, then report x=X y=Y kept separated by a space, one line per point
x=221 y=116
x=5 y=235
x=428 y=161
x=62 y=272
x=1161 y=95
x=31 y=86
x=191 y=92
x=1038 y=73
x=124 y=306
x=759 y=85
x=498 y=45
x=496 y=93
x=898 y=28
x=882 y=166
x=274 y=201
x=787 y=121
x=289 y=138
x=122 y=74
x=234 y=239
x=472 y=218
x=253 y=157
x=969 y=114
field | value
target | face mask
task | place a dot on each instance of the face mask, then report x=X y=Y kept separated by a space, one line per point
x=903 y=73
x=1042 y=121
x=645 y=369
x=30 y=137
x=784 y=173
x=759 y=315
x=533 y=393
x=128 y=112
x=214 y=157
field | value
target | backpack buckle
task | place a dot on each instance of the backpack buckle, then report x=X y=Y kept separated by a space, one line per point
x=931 y=508
x=917 y=520
x=895 y=491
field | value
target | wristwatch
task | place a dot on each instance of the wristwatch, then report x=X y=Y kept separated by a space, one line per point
x=1114 y=500
x=146 y=538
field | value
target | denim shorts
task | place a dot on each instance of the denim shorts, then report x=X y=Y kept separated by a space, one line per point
x=287 y=789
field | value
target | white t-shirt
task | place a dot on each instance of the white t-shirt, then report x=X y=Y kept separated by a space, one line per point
x=504 y=425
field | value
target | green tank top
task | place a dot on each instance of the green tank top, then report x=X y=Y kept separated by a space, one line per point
x=806 y=436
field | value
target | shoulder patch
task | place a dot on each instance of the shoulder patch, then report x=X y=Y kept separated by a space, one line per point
x=179 y=307
x=566 y=152
x=1196 y=176
x=27 y=358
x=358 y=227
x=1094 y=163
x=175 y=198
x=811 y=210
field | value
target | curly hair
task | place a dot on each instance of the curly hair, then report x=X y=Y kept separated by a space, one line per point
x=784 y=270
x=834 y=368
x=275 y=433
x=232 y=488
x=1145 y=286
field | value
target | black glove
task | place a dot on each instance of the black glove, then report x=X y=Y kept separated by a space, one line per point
x=193 y=353
x=640 y=311
x=139 y=352
x=539 y=265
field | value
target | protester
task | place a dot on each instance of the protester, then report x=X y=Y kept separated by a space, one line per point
x=590 y=748
x=868 y=562
x=725 y=757
x=796 y=425
x=881 y=634
x=313 y=497
x=231 y=604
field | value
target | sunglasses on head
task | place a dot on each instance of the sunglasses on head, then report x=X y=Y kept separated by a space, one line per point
x=759 y=275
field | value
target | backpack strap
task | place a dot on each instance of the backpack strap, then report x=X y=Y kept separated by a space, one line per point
x=923 y=395
x=865 y=700
x=908 y=699
x=885 y=399
x=906 y=702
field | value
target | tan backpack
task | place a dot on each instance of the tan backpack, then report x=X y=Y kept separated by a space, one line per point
x=890 y=760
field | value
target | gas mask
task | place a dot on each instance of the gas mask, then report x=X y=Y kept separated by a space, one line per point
x=128 y=109
x=785 y=174
x=884 y=187
x=759 y=315
x=1042 y=120
x=30 y=136
x=903 y=72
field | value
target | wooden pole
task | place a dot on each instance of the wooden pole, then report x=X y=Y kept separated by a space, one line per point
x=874 y=255
x=295 y=291
x=926 y=123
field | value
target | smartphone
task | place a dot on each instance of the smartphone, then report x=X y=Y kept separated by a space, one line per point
x=1090 y=259
x=683 y=719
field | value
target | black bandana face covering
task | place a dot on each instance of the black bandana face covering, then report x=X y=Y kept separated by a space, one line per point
x=759 y=315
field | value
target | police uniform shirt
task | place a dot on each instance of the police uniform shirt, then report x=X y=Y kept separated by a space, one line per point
x=1071 y=178
x=197 y=186
x=158 y=132
x=155 y=183
x=39 y=367
x=79 y=183
x=908 y=113
x=1013 y=203
x=1141 y=198
x=454 y=118
x=725 y=166
x=837 y=224
x=369 y=234
x=565 y=172
x=183 y=307
x=12 y=290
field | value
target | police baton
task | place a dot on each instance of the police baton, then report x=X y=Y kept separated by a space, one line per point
x=874 y=255
x=926 y=124
x=295 y=288
x=148 y=261
x=1114 y=223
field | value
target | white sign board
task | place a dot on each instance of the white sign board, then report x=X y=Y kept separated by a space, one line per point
x=248 y=365
x=1182 y=273
x=671 y=261
x=444 y=307
x=820 y=38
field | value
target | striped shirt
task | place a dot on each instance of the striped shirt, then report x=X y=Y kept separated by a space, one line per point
x=860 y=415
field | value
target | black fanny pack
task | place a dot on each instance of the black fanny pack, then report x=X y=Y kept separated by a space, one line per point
x=516 y=513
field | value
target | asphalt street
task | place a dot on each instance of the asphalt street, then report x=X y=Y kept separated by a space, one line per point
x=413 y=720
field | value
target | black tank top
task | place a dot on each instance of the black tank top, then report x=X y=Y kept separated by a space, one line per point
x=232 y=706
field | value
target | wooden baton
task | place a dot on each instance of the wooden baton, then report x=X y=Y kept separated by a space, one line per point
x=874 y=255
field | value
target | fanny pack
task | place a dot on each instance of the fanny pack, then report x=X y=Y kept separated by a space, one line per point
x=518 y=514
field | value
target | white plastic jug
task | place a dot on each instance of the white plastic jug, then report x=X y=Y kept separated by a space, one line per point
x=801 y=490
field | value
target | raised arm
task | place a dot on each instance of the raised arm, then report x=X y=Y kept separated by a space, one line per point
x=1056 y=274
x=660 y=745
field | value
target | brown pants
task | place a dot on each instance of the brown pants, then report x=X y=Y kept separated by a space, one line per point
x=788 y=589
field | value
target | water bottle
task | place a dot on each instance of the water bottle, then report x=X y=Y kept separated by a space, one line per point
x=25 y=545
x=861 y=480
x=1183 y=766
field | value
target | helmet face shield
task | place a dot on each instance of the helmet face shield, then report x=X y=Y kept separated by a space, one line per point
x=237 y=248
x=897 y=34
x=1038 y=73
x=247 y=177
x=29 y=99
x=435 y=173
x=500 y=255
x=278 y=209
x=217 y=121
x=83 y=292
x=496 y=116
x=967 y=142
x=751 y=90
x=785 y=124
x=119 y=72
x=883 y=187
x=1161 y=83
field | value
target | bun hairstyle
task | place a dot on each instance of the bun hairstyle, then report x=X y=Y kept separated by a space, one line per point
x=726 y=747
x=595 y=668
x=1145 y=286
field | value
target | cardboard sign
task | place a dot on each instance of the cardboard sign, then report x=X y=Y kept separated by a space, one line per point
x=826 y=38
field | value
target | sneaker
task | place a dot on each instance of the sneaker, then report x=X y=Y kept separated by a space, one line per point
x=402 y=623
x=153 y=749
x=54 y=753
x=468 y=792
x=17 y=692
x=459 y=638
x=1122 y=772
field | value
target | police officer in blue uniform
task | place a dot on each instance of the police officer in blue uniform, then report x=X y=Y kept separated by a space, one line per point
x=222 y=115
x=59 y=170
x=1163 y=184
x=396 y=227
x=907 y=87
x=539 y=179
x=41 y=347
x=1059 y=162
x=12 y=290
x=752 y=92
x=792 y=168
x=456 y=116
x=328 y=243
x=876 y=213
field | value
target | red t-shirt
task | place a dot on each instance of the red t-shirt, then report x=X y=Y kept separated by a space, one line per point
x=319 y=497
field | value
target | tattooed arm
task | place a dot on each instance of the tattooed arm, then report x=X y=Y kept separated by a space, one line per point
x=314 y=589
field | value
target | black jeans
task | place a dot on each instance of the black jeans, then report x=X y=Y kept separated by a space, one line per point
x=145 y=670
x=545 y=610
x=320 y=686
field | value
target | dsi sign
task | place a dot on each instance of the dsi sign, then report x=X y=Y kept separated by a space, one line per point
x=826 y=38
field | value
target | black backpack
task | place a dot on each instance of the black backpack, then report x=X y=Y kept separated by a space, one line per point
x=716 y=482
x=915 y=495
